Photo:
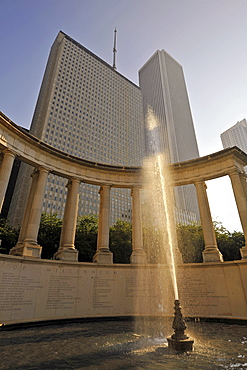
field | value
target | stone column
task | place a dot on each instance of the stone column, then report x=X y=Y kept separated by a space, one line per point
x=27 y=244
x=211 y=252
x=67 y=251
x=5 y=171
x=103 y=253
x=25 y=220
x=239 y=189
x=138 y=254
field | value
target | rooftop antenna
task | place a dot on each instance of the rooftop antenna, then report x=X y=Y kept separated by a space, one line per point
x=114 y=49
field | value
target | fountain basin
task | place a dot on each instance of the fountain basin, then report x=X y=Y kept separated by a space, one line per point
x=115 y=344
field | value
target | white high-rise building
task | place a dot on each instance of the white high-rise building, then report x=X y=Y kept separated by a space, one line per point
x=87 y=109
x=164 y=91
x=236 y=136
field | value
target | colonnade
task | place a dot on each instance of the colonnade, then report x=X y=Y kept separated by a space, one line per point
x=27 y=243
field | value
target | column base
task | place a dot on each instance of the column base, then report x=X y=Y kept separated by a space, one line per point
x=66 y=254
x=103 y=256
x=212 y=255
x=26 y=249
x=243 y=252
x=138 y=256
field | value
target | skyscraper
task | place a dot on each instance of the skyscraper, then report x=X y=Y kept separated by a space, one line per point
x=87 y=109
x=236 y=135
x=164 y=91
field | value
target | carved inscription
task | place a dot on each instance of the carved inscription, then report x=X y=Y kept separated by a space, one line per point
x=103 y=291
x=130 y=287
x=141 y=286
x=15 y=291
x=62 y=292
x=196 y=293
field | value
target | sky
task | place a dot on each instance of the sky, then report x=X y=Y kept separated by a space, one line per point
x=207 y=37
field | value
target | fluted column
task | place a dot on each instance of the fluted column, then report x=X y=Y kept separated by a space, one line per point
x=27 y=244
x=67 y=249
x=103 y=253
x=211 y=252
x=238 y=181
x=5 y=171
x=138 y=254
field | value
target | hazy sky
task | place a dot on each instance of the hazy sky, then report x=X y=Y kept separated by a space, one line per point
x=207 y=37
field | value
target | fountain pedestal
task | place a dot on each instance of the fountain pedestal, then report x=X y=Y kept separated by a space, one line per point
x=179 y=341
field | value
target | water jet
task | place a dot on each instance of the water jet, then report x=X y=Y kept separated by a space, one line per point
x=159 y=193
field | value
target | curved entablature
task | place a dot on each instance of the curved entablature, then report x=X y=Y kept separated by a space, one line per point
x=35 y=152
x=39 y=154
x=209 y=167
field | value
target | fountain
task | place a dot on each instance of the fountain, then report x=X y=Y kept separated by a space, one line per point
x=159 y=194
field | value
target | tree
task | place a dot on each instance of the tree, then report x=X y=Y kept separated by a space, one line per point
x=121 y=241
x=8 y=236
x=49 y=234
x=229 y=243
x=86 y=237
x=190 y=242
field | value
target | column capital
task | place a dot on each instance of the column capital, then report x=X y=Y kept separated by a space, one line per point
x=201 y=182
x=73 y=179
x=135 y=188
x=9 y=152
x=43 y=169
x=39 y=170
x=105 y=186
x=237 y=171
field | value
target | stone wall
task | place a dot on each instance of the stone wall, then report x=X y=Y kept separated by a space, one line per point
x=33 y=290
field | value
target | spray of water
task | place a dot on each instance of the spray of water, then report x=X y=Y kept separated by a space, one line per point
x=156 y=283
x=169 y=224
x=159 y=198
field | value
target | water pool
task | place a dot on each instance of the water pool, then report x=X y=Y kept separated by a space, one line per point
x=119 y=345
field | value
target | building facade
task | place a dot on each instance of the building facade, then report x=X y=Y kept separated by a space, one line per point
x=236 y=136
x=86 y=109
x=164 y=93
